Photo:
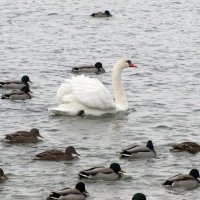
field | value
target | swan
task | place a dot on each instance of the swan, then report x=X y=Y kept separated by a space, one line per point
x=90 y=96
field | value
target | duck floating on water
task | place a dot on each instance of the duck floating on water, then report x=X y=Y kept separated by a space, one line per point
x=3 y=177
x=190 y=147
x=77 y=193
x=56 y=155
x=138 y=151
x=187 y=181
x=112 y=173
x=139 y=196
x=22 y=94
x=23 y=136
x=97 y=68
x=101 y=14
x=15 y=84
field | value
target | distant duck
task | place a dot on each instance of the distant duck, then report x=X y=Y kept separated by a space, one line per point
x=137 y=151
x=97 y=68
x=3 y=177
x=188 y=181
x=23 y=136
x=101 y=14
x=191 y=147
x=22 y=94
x=77 y=193
x=15 y=84
x=139 y=196
x=112 y=173
x=56 y=155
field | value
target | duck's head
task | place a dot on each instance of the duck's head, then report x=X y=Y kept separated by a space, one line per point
x=107 y=13
x=194 y=173
x=81 y=187
x=98 y=65
x=116 y=168
x=25 y=79
x=71 y=150
x=35 y=132
x=150 y=145
x=139 y=196
x=1 y=172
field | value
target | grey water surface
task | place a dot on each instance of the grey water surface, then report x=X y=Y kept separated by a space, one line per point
x=45 y=39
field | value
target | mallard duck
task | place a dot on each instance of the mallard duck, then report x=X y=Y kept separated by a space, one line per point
x=187 y=181
x=137 y=151
x=112 y=173
x=97 y=68
x=3 y=177
x=101 y=14
x=23 y=136
x=56 y=155
x=191 y=147
x=21 y=94
x=15 y=84
x=139 y=196
x=78 y=193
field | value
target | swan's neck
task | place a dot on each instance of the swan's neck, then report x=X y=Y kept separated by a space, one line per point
x=120 y=97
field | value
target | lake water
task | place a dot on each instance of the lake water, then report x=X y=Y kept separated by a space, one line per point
x=45 y=39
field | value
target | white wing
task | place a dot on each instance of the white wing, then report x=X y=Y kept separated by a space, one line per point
x=86 y=91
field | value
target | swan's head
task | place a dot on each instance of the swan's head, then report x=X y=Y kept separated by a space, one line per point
x=125 y=63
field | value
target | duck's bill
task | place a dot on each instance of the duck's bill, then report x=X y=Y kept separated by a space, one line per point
x=77 y=154
x=122 y=171
x=40 y=136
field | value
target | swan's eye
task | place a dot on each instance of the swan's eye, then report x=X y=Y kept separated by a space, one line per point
x=128 y=61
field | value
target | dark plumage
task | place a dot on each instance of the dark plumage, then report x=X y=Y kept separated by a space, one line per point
x=101 y=14
x=21 y=94
x=190 y=147
x=97 y=68
x=139 y=196
x=56 y=155
x=188 y=181
x=112 y=173
x=16 y=84
x=77 y=193
x=137 y=151
x=23 y=136
x=3 y=177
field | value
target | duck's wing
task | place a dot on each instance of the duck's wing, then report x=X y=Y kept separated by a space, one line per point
x=135 y=149
x=50 y=153
x=92 y=171
x=87 y=91
x=191 y=147
x=17 y=134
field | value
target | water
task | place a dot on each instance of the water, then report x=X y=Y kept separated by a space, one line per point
x=45 y=39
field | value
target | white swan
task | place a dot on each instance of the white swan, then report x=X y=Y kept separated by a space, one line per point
x=89 y=96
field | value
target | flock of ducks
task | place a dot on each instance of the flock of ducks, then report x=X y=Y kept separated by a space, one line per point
x=111 y=173
x=21 y=91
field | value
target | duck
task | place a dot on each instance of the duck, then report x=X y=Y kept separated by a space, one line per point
x=187 y=181
x=112 y=173
x=56 y=155
x=22 y=94
x=23 y=136
x=139 y=196
x=77 y=193
x=97 y=68
x=138 y=151
x=3 y=177
x=89 y=95
x=16 y=84
x=191 y=147
x=101 y=14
